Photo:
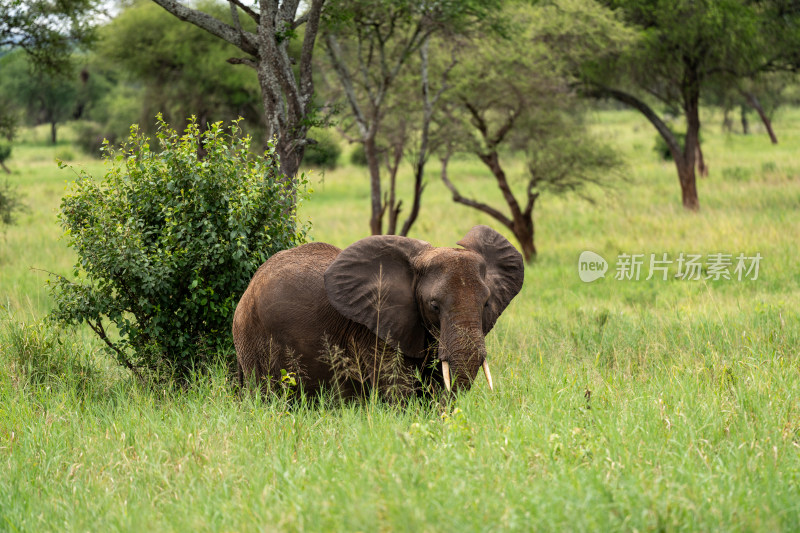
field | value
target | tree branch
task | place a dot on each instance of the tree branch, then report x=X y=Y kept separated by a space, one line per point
x=242 y=61
x=480 y=206
x=101 y=332
x=647 y=111
x=252 y=14
x=312 y=17
x=245 y=40
x=299 y=21
x=334 y=53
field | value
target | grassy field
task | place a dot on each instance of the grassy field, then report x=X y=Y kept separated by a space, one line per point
x=692 y=421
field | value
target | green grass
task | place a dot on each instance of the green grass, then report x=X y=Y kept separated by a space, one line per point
x=693 y=421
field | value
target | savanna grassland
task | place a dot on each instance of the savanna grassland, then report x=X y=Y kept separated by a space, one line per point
x=619 y=405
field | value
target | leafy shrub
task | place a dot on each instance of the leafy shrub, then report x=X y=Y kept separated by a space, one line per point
x=10 y=204
x=324 y=154
x=358 y=156
x=167 y=243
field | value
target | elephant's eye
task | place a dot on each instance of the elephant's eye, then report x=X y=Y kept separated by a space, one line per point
x=434 y=306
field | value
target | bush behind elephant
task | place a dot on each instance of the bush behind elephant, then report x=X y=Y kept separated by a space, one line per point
x=388 y=312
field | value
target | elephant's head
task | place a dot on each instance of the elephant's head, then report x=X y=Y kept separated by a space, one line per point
x=405 y=290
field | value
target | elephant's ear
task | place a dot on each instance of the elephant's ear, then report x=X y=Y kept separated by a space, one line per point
x=372 y=282
x=504 y=269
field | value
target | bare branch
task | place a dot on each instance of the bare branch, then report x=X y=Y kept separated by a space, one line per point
x=101 y=332
x=647 y=111
x=244 y=40
x=299 y=21
x=489 y=210
x=335 y=54
x=532 y=197
x=252 y=14
x=242 y=61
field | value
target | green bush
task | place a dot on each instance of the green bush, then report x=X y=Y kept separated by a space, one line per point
x=10 y=204
x=324 y=154
x=167 y=243
x=358 y=156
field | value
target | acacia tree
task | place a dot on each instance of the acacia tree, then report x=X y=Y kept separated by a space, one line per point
x=287 y=97
x=369 y=46
x=681 y=48
x=510 y=100
x=408 y=131
x=47 y=96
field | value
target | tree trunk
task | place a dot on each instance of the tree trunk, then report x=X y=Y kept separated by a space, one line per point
x=290 y=151
x=701 y=163
x=727 y=123
x=751 y=98
x=4 y=167
x=394 y=205
x=373 y=162
x=686 y=175
x=53 y=132
x=685 y=156
x=287 y=86
x=524 y=232
x=745 y=124
x=691 y=107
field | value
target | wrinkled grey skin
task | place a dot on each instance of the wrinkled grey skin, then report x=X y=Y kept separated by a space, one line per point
x=376 y=314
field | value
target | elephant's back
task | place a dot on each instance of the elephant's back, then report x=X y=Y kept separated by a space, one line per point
x=287 y=290
x=304 y=260
x=291 y=272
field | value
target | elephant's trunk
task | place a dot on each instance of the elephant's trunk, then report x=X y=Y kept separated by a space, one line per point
x=463 y=352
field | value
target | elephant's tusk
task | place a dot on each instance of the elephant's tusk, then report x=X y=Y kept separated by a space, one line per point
x=446 y=374
x=488 y=374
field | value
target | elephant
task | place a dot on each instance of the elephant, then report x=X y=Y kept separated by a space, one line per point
x=388 y=311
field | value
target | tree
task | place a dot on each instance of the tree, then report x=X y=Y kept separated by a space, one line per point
x=286 y=96
x=681 y=47
x=510 y=100
x=762 y=93
x=10 y=203
x=48 y=97
x=408 y=131
x=369 y=44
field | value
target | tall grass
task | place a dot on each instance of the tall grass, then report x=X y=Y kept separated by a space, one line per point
x=619 y=405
